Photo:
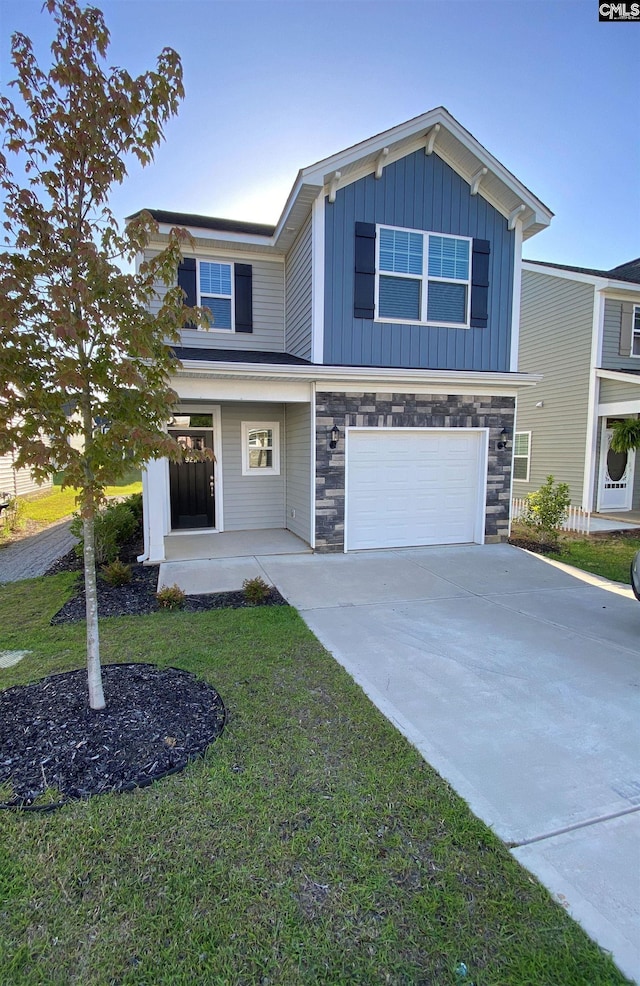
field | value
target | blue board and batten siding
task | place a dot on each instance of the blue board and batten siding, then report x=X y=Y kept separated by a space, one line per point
x=419 y=192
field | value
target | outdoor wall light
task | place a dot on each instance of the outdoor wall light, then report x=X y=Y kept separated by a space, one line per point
x=335 y=435
x=504 y=440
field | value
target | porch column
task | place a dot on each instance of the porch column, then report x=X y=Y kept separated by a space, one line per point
x=156 y=507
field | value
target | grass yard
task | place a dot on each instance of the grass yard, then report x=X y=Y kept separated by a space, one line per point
x=56 y=504
x=311 y=845
x=610 y=557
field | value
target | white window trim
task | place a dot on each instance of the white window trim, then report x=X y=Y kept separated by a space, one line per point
x=424 y=278
x=522 y=479
x=231 y=297
x=635 y=333
x=273 y=470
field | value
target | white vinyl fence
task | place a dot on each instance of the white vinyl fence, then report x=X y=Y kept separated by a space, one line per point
x=577 y=519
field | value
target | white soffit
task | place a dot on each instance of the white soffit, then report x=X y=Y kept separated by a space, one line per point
x=455 y=145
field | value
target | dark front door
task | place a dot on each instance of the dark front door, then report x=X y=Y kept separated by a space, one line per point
x=191 y=483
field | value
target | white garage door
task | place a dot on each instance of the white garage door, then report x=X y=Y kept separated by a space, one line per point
x=408 y=487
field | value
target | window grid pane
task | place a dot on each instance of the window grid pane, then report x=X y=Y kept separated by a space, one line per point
x=447 y=303
x=401 y=251
x=521 y=443
x=215 y=279
x=449 y=258
x=262 y=438
x=220 y=308
x=399 y=297
x=520 y=468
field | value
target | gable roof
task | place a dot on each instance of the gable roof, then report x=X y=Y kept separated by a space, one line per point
x=629 y=271
x=435 y=131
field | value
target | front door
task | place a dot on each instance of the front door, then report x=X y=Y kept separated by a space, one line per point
x=191 y=482
x=616 y=475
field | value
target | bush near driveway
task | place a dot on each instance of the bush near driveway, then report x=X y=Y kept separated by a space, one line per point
x=311 y=845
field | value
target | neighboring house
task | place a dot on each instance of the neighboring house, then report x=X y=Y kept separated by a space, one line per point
x=16 y=482
x=580 y=328
x=358 y=383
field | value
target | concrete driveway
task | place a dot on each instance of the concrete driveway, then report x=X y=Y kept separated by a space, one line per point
x=518 y=682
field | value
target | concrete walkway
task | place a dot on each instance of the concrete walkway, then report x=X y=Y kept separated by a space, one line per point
x=32 y=556
x=516 y=680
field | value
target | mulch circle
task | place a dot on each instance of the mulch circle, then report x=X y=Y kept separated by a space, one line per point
x=156 y=721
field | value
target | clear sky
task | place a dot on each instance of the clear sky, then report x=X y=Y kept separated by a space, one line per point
x=275 y=86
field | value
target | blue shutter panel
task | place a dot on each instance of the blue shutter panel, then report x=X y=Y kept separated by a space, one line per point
x=365 y=271
x=480 y=284
x=187 y=281
x=243 y=283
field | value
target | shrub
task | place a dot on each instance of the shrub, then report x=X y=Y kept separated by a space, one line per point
x=116 y=573
x=11 y=518
x=114 y=526
x=171 y=597
x=256 y=590
x=546 y=510
x=134 y=503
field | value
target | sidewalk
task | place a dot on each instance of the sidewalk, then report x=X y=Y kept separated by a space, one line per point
x=33 y=555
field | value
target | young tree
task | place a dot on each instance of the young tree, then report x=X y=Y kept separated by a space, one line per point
x=78 y=344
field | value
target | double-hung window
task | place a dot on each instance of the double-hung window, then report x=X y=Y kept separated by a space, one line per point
x=635 y=331
x=423 y=277
x=260 y=448
x=521 y=455
x=215 y=291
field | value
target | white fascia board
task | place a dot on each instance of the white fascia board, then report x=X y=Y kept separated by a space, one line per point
x=317 y=280
x=204 y=387
x=612 y=409
x=618 y=375
x=570 y=275
x=622 y=291
x=359 y=376
x=198 y=232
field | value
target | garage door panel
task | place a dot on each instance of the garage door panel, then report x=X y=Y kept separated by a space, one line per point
x=412 y=487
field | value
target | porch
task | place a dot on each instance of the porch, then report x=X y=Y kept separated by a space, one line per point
x=206 y=545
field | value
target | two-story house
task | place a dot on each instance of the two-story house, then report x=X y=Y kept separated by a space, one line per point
x=358 y=383
x=580 y=328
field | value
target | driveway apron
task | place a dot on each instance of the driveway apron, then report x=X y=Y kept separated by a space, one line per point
x=519 y=683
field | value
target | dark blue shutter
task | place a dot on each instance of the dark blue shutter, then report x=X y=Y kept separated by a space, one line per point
x=480 y=284
x=187 y=281
x=364 y=287
x=243 y=283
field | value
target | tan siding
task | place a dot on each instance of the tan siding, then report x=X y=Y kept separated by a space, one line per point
x=298 y=443
x=17 y=482
x=250 y=502
x=555 y=340
x=616 y=390
x=268 y=311
x=298 y=295
x=611 y=358
x=7 y=476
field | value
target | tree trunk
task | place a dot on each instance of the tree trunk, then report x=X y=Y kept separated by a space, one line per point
x=94 y=672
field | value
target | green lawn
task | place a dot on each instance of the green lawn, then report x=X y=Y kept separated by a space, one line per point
x=312 y=844
x=56 y=504
x=609 y=557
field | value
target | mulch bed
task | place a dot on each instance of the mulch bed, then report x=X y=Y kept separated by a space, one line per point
x=155 y=722
x=138 y=597
x=529 y=544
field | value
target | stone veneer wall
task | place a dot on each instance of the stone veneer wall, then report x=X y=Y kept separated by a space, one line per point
x=408 y=411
